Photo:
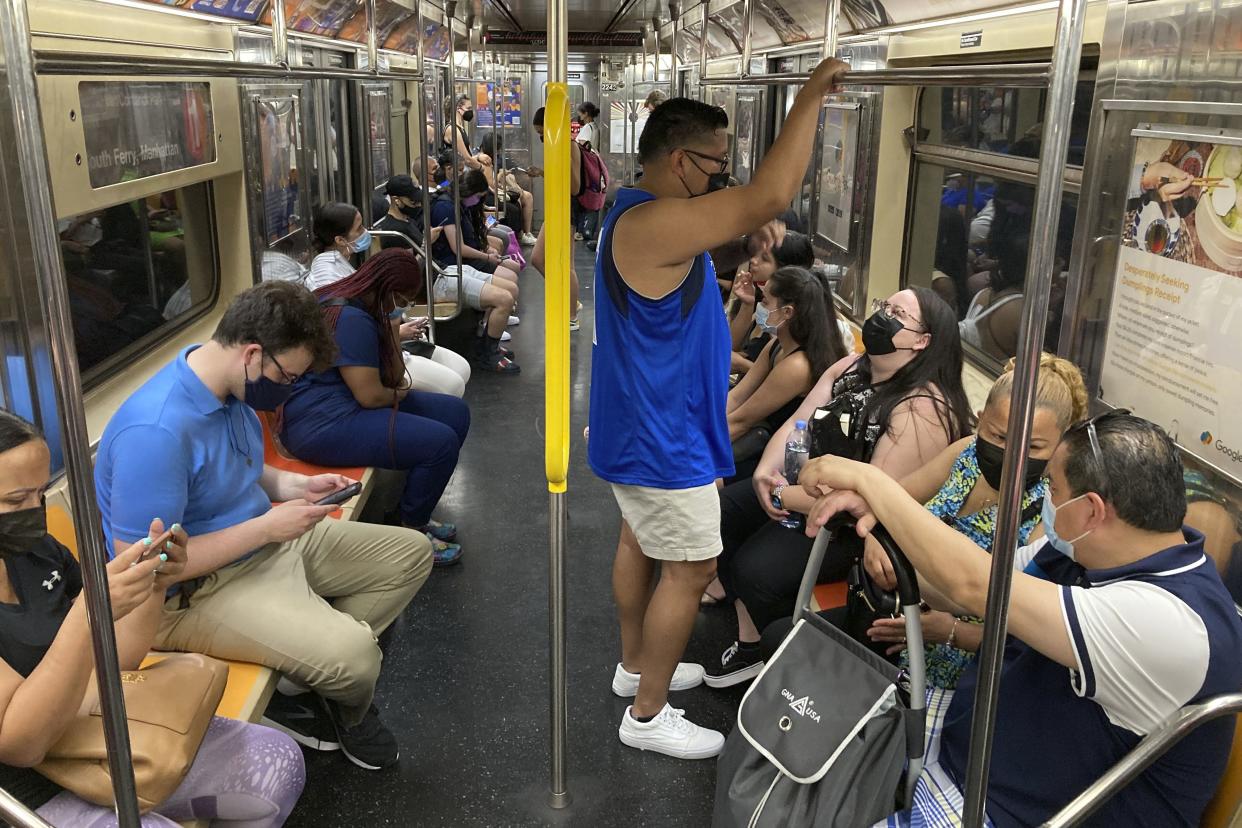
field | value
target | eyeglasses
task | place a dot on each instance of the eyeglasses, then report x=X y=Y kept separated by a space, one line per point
x=289 y=379
x=1097 y=454
x=723 y=162
x=899 y=313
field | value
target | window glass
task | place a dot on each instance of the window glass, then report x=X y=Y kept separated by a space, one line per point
x=136 y=271
x=998 y=119
x=969 y=240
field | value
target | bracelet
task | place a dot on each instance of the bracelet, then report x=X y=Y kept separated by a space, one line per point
x=776 y=496
x=953 y=631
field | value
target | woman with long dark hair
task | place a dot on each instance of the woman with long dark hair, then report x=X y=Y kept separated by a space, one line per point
x=521 y=203
x=897 y=406
x=363 y=412
x=459 y=112
x=798 y=315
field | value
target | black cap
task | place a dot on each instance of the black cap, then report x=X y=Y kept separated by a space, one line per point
x=402 y=186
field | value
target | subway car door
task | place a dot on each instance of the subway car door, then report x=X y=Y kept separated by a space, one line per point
x=373 y=152
x=278 y=195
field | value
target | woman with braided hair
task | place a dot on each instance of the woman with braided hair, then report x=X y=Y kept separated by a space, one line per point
x=363 y=412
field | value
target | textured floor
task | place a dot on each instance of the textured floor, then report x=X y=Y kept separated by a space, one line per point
x=465 y=681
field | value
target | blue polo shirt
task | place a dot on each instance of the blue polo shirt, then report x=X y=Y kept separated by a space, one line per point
x=174 y=451
x=1148 y=638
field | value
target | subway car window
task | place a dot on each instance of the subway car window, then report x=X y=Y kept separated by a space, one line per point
x=998 y=119
x=137 y=271
x=969 y=240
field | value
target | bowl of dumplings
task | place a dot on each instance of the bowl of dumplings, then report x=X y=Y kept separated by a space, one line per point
x=1218 y=216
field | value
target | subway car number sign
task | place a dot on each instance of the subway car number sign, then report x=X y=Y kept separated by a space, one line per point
x=136 y=130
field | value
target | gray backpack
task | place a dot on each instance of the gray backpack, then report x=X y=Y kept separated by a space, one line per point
x=829 y=735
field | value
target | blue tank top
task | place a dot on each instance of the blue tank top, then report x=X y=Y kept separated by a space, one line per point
x=659 y=375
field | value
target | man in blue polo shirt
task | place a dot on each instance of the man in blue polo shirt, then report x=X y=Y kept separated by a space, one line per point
x=1131 y=623
x=187 y=445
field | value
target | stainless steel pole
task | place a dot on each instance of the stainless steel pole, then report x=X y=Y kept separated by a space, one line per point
x=14 y=813
x=748 y=23
x=372 y=39
x=558 y=72
x=456 y=135
x=49 y=277
x=1014 y=74
x=655 y=67
x=631 y=122
x=674 y=11
x=1063 y=75
x=703 y=50
x=280 y=35
x=429 y=275
x=643 y=74
x=470 y=47
x=832 y=12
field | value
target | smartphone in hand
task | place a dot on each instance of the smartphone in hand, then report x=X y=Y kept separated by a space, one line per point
x=156 y=547
x=340 y=495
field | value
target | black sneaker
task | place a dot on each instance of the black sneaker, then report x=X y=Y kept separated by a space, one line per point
x=301 y=717
x=369 y=744
x=739 y=663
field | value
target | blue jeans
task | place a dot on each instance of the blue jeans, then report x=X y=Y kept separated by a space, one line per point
x=423 y=436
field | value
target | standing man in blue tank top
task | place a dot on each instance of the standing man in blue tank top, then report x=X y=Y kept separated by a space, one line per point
x=659 y=382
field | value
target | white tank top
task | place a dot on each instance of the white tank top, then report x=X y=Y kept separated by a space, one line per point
x=968 y=328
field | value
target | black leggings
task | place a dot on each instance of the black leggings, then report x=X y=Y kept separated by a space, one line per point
x=762 y=561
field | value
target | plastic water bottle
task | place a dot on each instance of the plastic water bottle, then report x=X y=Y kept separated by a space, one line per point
x=797 y=449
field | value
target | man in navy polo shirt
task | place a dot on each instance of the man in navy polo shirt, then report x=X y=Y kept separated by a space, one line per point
x=188 y=446
x=1130 y=624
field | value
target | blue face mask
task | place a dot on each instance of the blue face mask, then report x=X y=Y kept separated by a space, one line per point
x=761 y=319
x=396 y=313
x=1065 y=547
x=363 y=243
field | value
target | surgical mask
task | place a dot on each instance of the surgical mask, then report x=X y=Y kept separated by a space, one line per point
x=878 y=332
x=21 y=530
x=471 y=200
x=468 y=115
x=409 y=210
x=265 y=394
x=991 y=458
x=363 y=243
x=396 y=313
x=762 y=314
x=1049 y=516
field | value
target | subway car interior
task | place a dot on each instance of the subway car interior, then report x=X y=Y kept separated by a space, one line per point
x=949 y=229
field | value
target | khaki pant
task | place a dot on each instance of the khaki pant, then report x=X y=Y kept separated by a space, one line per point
x=309 y=608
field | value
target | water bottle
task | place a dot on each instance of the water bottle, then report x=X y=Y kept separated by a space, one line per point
x=797 y=449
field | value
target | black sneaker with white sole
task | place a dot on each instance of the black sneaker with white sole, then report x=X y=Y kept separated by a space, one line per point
x=302 y=718
x=369 y=744
x=739 y=663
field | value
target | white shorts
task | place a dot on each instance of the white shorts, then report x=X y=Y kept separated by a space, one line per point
x=472 y=290
x=673 y=524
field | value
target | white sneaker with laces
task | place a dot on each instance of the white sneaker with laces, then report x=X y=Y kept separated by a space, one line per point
x=514 y=320
x=625 y=683
x=506 y=337
x=527 y=239
x=672 y=734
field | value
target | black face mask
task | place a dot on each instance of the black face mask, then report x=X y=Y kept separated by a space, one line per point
x=878 y=332
x=991 y=458
x=264 y=394
x=410 y=211
x=21 y=530
x=468 y=115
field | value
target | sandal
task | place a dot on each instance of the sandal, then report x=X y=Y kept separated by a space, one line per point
x=710 y=600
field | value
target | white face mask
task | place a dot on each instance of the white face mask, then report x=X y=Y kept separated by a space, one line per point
x=1065 y=547
x=761 y=319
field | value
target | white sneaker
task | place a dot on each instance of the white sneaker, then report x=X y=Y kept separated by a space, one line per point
x=625 y=683
x=528 y=239
x=672 y=734
x=514 y=320
x=506 y=336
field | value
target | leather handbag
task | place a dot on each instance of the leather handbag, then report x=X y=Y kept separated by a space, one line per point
x=169 y=706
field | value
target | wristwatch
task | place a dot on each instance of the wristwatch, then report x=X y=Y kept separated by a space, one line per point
x=776 y=496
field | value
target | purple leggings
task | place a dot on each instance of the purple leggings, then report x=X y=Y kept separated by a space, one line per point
x=245 y=776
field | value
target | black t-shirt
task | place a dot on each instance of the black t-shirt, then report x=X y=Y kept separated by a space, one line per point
x=406 y=226
x=47 y=580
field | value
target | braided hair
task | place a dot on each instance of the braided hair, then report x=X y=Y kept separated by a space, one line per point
x=383 y=276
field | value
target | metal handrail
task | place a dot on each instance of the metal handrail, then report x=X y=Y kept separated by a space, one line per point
x=1053 y=151
x=987 y=74
x=14 y=813
x=53 y=294
x=1144 y=754
x=85 y=63
x=431 y=305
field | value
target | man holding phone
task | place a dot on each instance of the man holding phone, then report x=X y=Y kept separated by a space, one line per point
x=258 y=577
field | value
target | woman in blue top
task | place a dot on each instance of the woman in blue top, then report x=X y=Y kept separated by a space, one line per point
x=362 y=411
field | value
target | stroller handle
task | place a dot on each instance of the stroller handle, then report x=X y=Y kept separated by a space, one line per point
x=907 y=580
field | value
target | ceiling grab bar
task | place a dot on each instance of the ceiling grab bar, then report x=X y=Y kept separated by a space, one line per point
x=1054 y=148
x=53 y=294
x=993 y=74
